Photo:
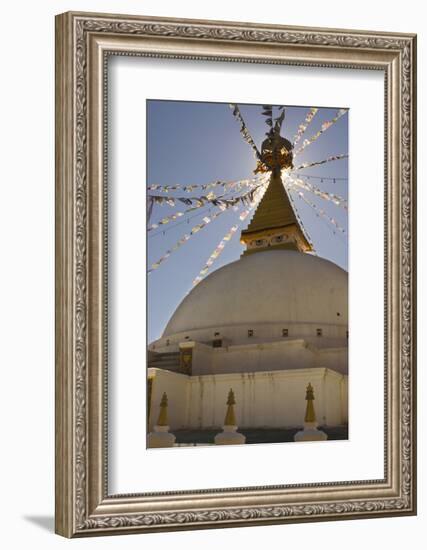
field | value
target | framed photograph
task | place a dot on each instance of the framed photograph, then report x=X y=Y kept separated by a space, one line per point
x=235 y=274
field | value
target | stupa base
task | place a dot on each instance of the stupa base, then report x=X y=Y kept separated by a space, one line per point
x=230 y=436
x=160 y=438
x=310 y=433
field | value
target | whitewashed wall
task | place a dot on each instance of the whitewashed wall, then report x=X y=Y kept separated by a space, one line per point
x=263 y=399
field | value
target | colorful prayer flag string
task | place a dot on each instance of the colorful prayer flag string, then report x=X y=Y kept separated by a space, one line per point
x=303 y=127
x=323 y=129
x=319 y=162
x=215 y=254
x=221 y=202
x=210 y=197
x=295 y=210
x=331 y=179
x=200 y=226
x=150 y=205
x=319 y=211
x=228 y=236
x=189 y=188
x=184 y=239
x=332 y=197
x=243 y=130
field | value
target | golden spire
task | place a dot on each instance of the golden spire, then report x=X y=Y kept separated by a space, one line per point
x=230 y=417
x=310 y=415
x=275 y=223
x=163 y=415
x=275 y=209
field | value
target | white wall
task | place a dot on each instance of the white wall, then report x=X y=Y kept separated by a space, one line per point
x=264 y=355
x=27 y=320
x=263 y=399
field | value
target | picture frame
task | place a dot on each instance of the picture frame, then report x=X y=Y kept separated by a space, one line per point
x=84 y=506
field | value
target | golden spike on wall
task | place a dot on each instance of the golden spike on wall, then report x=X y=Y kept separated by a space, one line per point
x=310 y=415
x=230 y=417
x=163 y=415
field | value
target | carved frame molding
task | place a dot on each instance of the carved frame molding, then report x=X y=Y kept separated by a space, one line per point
x=83 y=44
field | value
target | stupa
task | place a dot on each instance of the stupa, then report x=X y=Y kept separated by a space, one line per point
x=266 y=325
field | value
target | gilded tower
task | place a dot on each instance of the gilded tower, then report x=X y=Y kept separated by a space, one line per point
x=275 y=223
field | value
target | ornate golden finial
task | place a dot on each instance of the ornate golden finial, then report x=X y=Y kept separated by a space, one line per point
x=163 y=415
x=231 y=399
x=310 y=415
x=310 y=431
x=230 y=417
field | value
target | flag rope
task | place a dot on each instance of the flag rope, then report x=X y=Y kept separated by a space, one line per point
x=204 y=186
x=303 y=127
x=184 y=239
x=243 y=130
x=228 y=236
x=332 y=197
x=319 y=211
x=319 y=162
x=325 y=126
x=222 y=202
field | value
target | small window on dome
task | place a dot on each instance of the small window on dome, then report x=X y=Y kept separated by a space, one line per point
x=216 y=333
x=319 y=332
x=167 y=342
x=250 y=333
x=285 y=332
x=346 y=334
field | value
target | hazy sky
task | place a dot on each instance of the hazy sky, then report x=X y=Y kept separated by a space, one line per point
x=196 y=143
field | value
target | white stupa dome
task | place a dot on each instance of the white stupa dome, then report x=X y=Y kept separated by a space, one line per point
x=266 y=292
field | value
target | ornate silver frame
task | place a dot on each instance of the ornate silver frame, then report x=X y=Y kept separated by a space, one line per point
x=83 y=505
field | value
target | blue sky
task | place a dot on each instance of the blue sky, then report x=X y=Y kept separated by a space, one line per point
x=196 y=143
